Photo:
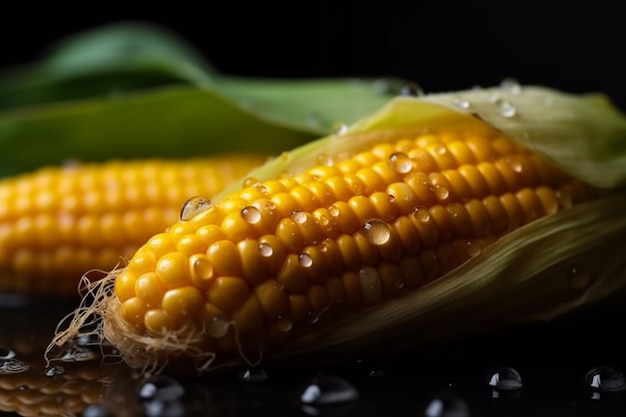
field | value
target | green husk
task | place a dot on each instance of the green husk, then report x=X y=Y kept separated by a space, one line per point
x=132 y=90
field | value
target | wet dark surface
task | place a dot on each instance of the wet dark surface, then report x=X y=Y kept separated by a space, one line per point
x=552 y=375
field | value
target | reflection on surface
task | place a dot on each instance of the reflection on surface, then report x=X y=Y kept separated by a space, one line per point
x=571 y=367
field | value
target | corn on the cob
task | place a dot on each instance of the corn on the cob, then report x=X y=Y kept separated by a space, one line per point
x=380 y=213
x=58 y=223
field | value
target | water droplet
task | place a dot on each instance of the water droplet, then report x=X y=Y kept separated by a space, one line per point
x=217 y=327
x=447 y=405
x=376 y=231
x=339 y=128
x=250 y=181
x=77 y=354
x=299 y=217
x=579 y=278
x=96 y=410
x=6 y=353
x=400 y=162
x=605 y=379
x=161 y=388
x=328 y=389
x=504 y=379
x=324 y=159
x=391 y=198
x=193 y=207
x=265 y=249
x=441 y=192
x=251 y=214
x=505 y=108
x=399 y=284
x=461 y=103
x=511 y=85
x=411 y=89
x=12 y=366
x=283 y=324
x=305 y=260
x=422 y=214
x=334 y=211
x=515 y=164
x=91 y=339
x=253 y=375
x=203 y=268
x=54 y=371
x=370 y=284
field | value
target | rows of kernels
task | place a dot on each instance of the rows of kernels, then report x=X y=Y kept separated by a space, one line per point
x=63 y=222
x=339 y=238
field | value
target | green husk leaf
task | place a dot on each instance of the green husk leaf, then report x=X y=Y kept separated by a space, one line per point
x=135 y=90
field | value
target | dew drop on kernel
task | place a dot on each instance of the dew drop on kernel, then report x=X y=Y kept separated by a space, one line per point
x=339 y=128
x=400 y=162
x=193 y=207
x=504 y=379
x=370 y=281
x=411 y=89
x=511 y=85
x=251 y=214
x=605 y=379
x=441 y=192
x=334 y=211
x=202 y=268
x=515 y=164
x=299 y=217
x=422 y=214
x=305 y=260
x=505 y=108
x=265 y=249
x=579 y=278
x=217 y=327
x=283 y=324
x=461 y=103
x=376 y=231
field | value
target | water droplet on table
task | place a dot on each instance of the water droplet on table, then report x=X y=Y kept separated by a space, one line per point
x=56 y=370
x=504 y=379
x=605 y=379
x=447 y=406
x=12 y=366
x=253 y=375
x=328 y=389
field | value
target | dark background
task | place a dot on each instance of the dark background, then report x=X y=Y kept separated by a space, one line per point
x=443 y=45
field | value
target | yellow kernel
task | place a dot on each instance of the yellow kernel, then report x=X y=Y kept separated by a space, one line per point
x=161 y=244
x=248 y=318
x=237 y=227
x=407 y=234
x=253 y=265
x=224 y=256
x=158 y=322
x=441 y=218
x=273 y=252
x=479 y=218
x=228 y=293
x=352 y=288
x=514 y=212
x=133 y=311
x=211 y=233
x=191 y=244
x=314 y=261
x=530 y=204
x=272 y=298
x=349 y=252
x=183 y=303
x=332 y=255
x=293 y=275
x=404 y=197
x=173 y=270
x=344 y=216
x=318 y=299
x=290 y=235
x=142 y=261
x=371 y=285
x=285 y=204
x=149 y=289
x=125 y=285
x=340 y=189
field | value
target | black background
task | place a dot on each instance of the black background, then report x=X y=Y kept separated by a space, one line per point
x=443 y=45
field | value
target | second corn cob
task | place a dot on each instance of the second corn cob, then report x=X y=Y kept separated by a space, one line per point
x=377 y=215
x=58 y=223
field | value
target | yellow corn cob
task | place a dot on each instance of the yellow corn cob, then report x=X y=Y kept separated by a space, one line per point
x=58 y=223
x=282 y=258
